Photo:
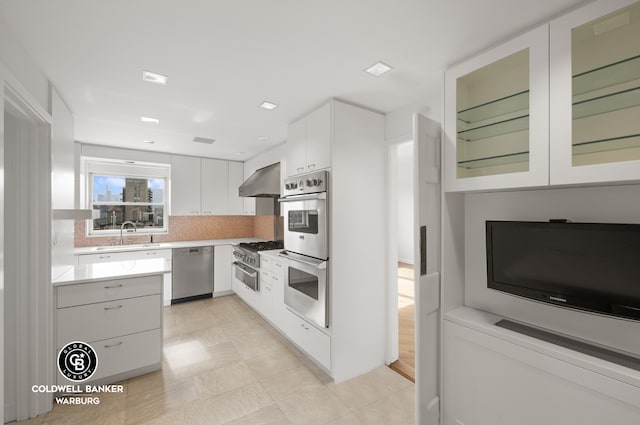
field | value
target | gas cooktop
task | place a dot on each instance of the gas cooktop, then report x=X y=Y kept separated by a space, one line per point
x=262 y=246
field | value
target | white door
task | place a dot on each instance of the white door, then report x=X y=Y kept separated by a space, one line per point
x=426 y=134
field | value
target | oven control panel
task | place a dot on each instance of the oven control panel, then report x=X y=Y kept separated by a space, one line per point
x=307 y=183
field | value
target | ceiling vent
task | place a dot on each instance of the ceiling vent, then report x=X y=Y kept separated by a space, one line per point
x=204 y=140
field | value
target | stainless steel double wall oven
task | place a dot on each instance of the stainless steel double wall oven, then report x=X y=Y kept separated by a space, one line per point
x=306 y=241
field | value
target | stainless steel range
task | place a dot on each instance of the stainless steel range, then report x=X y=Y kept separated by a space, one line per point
x=247 y=264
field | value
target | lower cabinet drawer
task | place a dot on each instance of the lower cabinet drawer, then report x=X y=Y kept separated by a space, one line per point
x=119 y=355
x=95 y=322
x=312 y=340
x=88 y=293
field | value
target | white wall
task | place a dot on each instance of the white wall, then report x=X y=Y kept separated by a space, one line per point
x=398 y=123
x=617 y=204
x=405 y=202
x=22 y=66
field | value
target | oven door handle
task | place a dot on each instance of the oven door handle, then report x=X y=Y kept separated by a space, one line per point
x=292 y=198
x=319 y=266
x=244 y=269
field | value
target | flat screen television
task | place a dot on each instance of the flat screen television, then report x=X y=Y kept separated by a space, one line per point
x=587 y=266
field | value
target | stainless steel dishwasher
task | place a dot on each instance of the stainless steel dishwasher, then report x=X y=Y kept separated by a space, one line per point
x=192 y=274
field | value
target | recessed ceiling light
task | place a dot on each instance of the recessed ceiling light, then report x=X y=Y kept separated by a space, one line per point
x=151 y=142
x=152 y=77
x=378 y=69
x=150 y=120
x=263 y=138
x=268 y=105
x=203 y=140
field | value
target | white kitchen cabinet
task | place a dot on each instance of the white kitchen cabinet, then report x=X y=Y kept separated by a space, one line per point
x=295 y=152
x=310 y=339
x=497 y=117
x=495 y=381
x=185 y=185
x=595 y=94
x=222 y=258
x=266 y=289
x=309 y=142
x=272 y=279
x=109 y=255
x=214 y=187
x=205 y=186
x=236 y=177
x=249 y=206
x=120 y=318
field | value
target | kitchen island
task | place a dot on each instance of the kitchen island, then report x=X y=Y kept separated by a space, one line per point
x=116 y=308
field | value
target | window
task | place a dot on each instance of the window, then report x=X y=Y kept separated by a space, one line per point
x=119 y=192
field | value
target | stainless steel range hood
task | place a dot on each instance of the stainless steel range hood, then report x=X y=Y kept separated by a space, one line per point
x=264 y=183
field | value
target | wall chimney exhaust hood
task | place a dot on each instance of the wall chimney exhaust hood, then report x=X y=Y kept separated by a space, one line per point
x=264 y=183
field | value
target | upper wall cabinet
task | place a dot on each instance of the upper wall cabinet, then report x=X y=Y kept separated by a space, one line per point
x=185 y=185
x=309 y=142
x=497 y=117
x=236 y=177
x=204 y=186
x=214 y=186
x=595 y=94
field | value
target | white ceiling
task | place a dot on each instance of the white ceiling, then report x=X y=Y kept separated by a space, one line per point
x=224 y=57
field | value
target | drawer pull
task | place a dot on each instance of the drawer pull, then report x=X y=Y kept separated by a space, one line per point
x=113 y=345
x=151 y=253
x=113 y=308
x=304 y=327
x=300 y=169
x=113 y=286
x=102 y=257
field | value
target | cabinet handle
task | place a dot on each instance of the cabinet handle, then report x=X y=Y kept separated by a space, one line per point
x=113 y=308
x=151 y=253
x=113 y=345
x=113 y=286
x=311 y=166
x=304 y=327
x=104 y=256
x=300 y=169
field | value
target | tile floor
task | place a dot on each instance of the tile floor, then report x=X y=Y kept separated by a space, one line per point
x=223 y=364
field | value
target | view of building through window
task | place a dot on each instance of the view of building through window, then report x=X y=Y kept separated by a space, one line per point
x=120 y=199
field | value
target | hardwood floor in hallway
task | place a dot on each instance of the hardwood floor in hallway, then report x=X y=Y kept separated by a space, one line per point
x=405 y=365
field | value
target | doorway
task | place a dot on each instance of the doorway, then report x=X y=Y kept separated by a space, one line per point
x=27 y=304
x=401 y=205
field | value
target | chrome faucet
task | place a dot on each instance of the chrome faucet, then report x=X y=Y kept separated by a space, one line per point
x=135 y=228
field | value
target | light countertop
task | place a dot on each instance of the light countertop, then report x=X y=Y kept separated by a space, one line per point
x=112 y=270
x=163 y=245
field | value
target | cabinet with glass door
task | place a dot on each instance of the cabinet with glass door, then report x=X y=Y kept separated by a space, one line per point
x=496 y=117
x=595 y=94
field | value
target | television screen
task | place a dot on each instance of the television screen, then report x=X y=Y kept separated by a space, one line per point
x=591 y=266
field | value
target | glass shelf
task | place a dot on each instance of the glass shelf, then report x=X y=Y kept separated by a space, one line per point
x=615 y=143
x=606 y=76
x=511 y=158
x=608 y=103
x=514 y=103
x=500 y=128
